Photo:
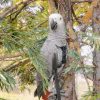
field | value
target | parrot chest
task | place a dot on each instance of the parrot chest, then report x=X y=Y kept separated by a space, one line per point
x=54 y=47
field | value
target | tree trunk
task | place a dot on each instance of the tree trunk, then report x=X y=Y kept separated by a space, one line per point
x=64 y=8
x=69 y=84
x=96 y=54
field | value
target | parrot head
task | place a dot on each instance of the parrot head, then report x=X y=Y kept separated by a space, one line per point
x=56 y=22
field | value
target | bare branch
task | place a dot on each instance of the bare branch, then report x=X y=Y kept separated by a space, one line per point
x=2 y=16
x=20 y=63
x=10 y=56
x=7 y=60
x=40 y=24
x=18 y=12
x=82 y=1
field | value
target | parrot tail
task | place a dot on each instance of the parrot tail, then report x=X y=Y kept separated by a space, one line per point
x=46 y=95
x=39 y=90
x=40 y=93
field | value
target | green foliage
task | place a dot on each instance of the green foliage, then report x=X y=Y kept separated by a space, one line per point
x=6 y=81
x=26 y=34
x=3 y=1
x=92 y=39
x=2 y=99
x=75 y=64
x=96 y=39
x=90 y=96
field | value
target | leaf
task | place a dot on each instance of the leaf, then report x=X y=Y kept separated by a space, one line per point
x=6 y=81
x=68 y=69
x=74 y=54
x=3 y=80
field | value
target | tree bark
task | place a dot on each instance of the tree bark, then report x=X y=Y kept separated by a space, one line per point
x=52 y=7
x=69 y=84
x=96 y=53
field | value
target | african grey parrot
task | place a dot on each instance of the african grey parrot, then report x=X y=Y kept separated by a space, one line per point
x=55 y=44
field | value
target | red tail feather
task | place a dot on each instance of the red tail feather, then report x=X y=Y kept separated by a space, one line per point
x=45 y=96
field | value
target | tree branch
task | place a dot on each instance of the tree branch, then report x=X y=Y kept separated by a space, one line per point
x=14 y=66
x=40 y=24
x=18 y=12
x=83 y=1
x=15 y=7
x=10 y=56
x=52 y=6
x=8 y=59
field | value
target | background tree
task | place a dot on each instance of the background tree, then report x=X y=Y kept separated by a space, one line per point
x=96 y=56
x=69 y=11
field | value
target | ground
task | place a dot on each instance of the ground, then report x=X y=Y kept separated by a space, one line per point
x=81 y=88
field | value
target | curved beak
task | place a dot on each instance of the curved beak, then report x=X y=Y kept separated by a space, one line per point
x=53 y=25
